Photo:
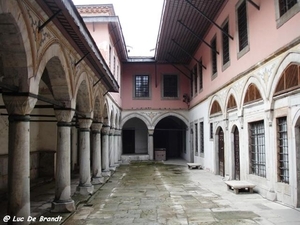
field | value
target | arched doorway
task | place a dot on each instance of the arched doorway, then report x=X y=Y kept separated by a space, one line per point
x=236 y=153
x=135 y=137
x=297 y=144
x=170 y=134
x=221 y=152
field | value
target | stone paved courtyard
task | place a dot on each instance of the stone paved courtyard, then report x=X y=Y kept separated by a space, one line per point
x=157 y=193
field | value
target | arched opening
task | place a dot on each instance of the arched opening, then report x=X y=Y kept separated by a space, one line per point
x=135 y=137
x=236 y=153
x=297 y=144
x=220 y=152
x=170 y=135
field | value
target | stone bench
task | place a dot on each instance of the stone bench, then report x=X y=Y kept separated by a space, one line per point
x=236 y=185
x=194 y=166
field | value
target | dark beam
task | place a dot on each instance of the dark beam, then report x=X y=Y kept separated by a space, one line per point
x=254 y=4
x=185 y=51
x=197 y=36
x=169 y=53
x=211 y=21
x=85 y=55
x=48 y=20
x=178 y=69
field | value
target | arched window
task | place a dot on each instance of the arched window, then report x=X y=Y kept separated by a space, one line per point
x=289 y=79
x=252 y=94
x=216 y=108
x=231 y=104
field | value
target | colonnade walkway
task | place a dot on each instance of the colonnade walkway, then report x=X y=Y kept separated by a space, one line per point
x=165 y=193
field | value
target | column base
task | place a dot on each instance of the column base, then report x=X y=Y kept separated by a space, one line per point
x=106 y=173
x=117 y=164
x=112 y=168
x=63 y=207
x=85 y=190
x=98 y=180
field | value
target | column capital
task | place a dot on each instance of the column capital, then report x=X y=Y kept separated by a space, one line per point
x=112 y=131
x=19 y=104
x=118 y=132
x=85 y=123
x=105 y=129
x=96 y=126
x=150 y=132
x=64 y=115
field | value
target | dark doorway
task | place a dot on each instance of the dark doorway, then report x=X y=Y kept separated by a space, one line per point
x=128 y=141
x=170 y=134
x=236 y=145
x=221 y=153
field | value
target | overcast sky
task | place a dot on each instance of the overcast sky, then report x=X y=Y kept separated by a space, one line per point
x=139 y=20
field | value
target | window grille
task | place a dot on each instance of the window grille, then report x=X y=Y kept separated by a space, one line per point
x=141 y=86
x=225 y=44
x=196 y=138
x=214 y=55
x=257 y=149
x=200 y=75
x=242 y=26
x=195 y=72
x=283 y=156
x=211 y=133
x=170 y=86
x=286 y=5
x=201 y=137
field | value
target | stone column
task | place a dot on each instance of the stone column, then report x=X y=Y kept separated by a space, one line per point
x=96 y=148
x=19 y=108
x=74 y=148
x=62 y=200
x=120 y=147
x=150 y=144
x=85 y=186
x=105 y=154
x=112 y=149
x=117 y=146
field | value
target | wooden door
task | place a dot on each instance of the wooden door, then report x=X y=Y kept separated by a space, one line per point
x=236 y=139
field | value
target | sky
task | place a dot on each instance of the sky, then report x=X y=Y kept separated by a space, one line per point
x=139 y=20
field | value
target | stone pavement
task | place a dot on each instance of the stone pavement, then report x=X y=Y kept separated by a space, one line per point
x=158 y=193
x=162 y=193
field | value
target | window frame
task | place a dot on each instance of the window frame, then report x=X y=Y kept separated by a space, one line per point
x=257 y=151
x=134 y=87
x=244 y=50
x=201 y=138
x=226 y=64
x=163 y=87
x=214 y=57
x=282 y=19
x=282 y=150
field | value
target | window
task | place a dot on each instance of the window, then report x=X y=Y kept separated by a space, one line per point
x=200 y=75
x=109 y=57
x=285 y=10
x=211 y=132
x=170 y=86
x=289 y=80
x=283 y=156
x=214 y=55
x=192 y=84
x=257 y=149
x=201 y=135
x=196 y=138
x=252 y=94
x=141 y=86
x=225 y=43
x=286 y=5
x=242 y=25
x=195 y=78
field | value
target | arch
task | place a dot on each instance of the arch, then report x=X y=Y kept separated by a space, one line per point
x=136 y=115
x=17 y=60
x=291 y=57
x=83 y=94
x=219 y=151
x=53 y=71
x=256 y=85
x=164 y=115
x=215 y=106
x=231 y=102
x=135 y=137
